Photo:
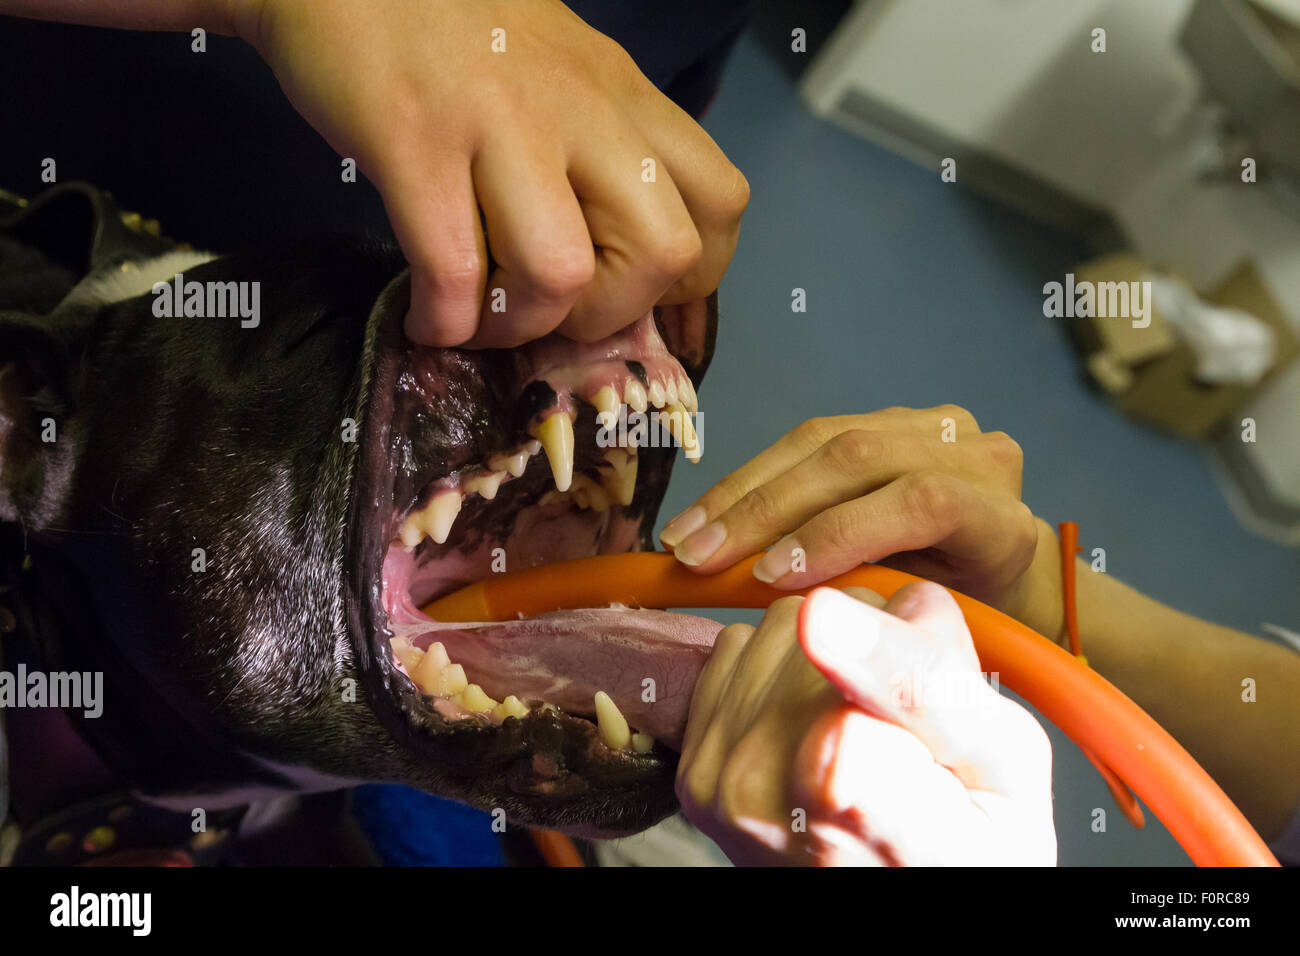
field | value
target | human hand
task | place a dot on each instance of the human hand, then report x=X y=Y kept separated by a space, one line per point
x=552 y=138
x=839 y=733
x=924 y=491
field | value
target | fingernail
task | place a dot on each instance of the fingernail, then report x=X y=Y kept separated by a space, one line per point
x=778 y=562
x=692 y=519
x=700 y=546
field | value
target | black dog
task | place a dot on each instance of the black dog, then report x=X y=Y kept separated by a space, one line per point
x=228 y=482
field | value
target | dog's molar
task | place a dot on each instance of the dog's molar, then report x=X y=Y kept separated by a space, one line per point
x=512 y=706
x=409 y=657
x=450 y=682
x=428 y=670
x=474 y=699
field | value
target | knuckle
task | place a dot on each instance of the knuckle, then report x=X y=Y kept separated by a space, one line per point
x=961 y=416
x=841 y=529
x=615 y=61
x=1005 y=449
x=1026 y=523
x=733 y=636
x=675 y=253
x=724 y=494
x=733 y=202
x=762 y=508
x=854 y=450
x=786 y=608
x=561 y=273
x=932 y=497
x=812 y=433
x=461 y=281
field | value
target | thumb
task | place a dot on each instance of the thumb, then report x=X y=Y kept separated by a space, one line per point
x=924 y=677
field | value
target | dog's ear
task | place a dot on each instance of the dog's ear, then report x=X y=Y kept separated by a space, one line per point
x=36 y=439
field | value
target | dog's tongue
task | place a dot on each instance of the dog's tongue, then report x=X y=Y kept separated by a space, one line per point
x=646 y=660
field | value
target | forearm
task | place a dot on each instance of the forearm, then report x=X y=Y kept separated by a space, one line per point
x=230 y=17
x=1188 y=674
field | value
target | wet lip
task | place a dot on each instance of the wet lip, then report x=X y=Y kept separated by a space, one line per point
x=540 y=491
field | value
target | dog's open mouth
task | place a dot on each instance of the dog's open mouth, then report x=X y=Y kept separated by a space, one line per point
x=496 y=461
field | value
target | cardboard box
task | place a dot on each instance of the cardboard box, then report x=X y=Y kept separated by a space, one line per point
x=1150 y=374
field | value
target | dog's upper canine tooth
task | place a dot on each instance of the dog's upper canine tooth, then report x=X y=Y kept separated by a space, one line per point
x=658 y=397
x=486 y=484
x=556 y=435
x=611 y=723
x=634 y=396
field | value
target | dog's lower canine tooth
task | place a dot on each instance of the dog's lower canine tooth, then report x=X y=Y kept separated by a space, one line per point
x=556 y=436
x=512 y=706
x=486 y=484
x=611 y=723
x=634 y=396
x=620 y=482
x=440 y=514
x=428 y=671
x=642 y=743
x=473 y=698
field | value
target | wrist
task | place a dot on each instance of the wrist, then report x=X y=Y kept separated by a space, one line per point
x=1037 y=597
